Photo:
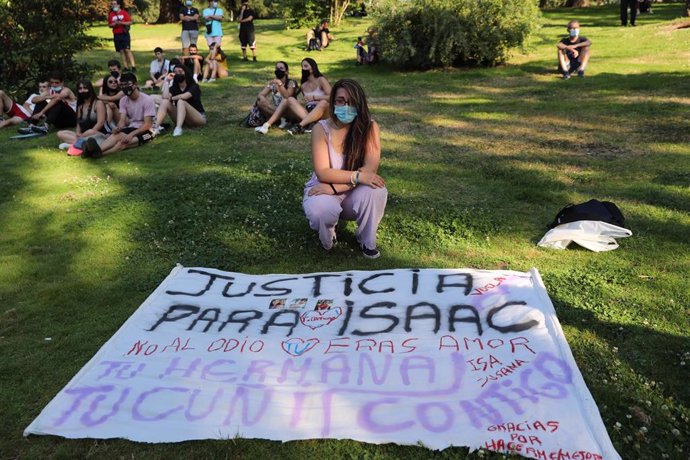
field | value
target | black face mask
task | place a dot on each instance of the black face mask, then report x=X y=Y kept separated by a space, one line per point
x=115 y=74
x=128 y=90
x=305 y=74
x=179 y=78
x=280 y=73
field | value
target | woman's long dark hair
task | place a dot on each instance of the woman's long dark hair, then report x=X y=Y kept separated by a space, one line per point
x=188 y=77
x=357 y=137
x=106 y=89
x=314 y=69
x=91 y=92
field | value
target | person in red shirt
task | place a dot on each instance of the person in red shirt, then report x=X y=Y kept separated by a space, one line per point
x=119 y=20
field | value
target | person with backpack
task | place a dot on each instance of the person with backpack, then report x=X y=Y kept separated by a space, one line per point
x=158 y=69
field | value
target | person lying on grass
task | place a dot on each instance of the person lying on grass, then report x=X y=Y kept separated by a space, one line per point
x=346 y=151
x=137 y=110
x=315 y=93
x=573 y=52
x=181 y=99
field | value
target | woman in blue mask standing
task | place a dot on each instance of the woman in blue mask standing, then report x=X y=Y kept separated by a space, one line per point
x=346 y=152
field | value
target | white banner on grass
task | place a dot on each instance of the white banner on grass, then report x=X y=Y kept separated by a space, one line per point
x=437 y=357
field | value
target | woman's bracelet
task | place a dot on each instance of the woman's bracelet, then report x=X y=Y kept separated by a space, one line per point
x=357 y=179
x=335 y=192
x=352 y=179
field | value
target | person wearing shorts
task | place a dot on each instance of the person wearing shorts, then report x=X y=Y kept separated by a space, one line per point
x=247 y=38
x=189 y=16
x=120 y=21
x=213 y=15
x=136 y=107
x=15 y=113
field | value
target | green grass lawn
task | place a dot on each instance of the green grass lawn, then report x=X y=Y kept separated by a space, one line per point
x=477 y=162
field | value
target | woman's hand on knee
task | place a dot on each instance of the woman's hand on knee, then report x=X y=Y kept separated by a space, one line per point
x=371 y=179
x=320 y=189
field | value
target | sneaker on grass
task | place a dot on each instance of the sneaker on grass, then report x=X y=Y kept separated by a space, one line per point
x=283 y=123
x=581 y=73
x=64 y=146
x=295 y=130
x=263 y=129
x=370 y=253
x=92 y=149
x=177 y=131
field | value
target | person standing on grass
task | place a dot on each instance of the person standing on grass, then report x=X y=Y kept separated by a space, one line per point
x=247 y=38
x=120 y=21
x=189 y=16
x=573 y=52
x=346 y=152
x=625 y=4
x=213 y=17
x=137 y=110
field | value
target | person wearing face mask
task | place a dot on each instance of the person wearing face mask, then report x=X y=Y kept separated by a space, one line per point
x=110 y=94
x=15 y=113
x=120 y=21
x=315 y=94
x=189 y=17
x=345 y=184
x=277 y=90
x=181 y=101
x=213 y=17
x=194 y=61
x=216 y=64
x=573 y=52
x=58 y=107
x=137 y=110
x=247 y=39
x=91 y=118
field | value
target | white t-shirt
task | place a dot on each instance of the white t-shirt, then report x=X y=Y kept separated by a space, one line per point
x=159 y=67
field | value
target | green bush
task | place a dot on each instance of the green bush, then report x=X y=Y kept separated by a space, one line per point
x=442 y=33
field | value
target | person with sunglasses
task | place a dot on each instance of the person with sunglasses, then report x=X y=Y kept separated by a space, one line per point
x=345 y=184
x=15 y=113
x=110 y=95
x=137 y=111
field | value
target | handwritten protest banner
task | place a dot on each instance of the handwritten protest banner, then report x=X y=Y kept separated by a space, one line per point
x=438 y=357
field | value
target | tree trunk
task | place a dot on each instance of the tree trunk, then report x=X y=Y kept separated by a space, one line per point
x=169 y=12
x=687 y=7
x=338 y=8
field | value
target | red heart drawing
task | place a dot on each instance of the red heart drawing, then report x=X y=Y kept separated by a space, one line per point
x=318 y=318
x=297 y=346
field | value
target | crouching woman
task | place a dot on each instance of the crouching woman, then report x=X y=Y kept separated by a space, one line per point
x=346 y=151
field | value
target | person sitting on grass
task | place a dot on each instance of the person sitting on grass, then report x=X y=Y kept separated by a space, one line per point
x=319 y=37
x=181 y=100
x=193 y=60
x=346 y=151
x=315 y=93
x=115 y=71
x=158 y=70
x=216 y=64
x=110 y=95
x=58 y=107
x=573 y=52
x=277 y=90
x=91 y=116
x=137 y=110
x=16 y=113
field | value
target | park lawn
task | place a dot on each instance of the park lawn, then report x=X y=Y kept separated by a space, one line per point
x=477 y=162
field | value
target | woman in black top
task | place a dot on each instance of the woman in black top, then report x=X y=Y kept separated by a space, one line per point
x=182 y=101
x=91 y=115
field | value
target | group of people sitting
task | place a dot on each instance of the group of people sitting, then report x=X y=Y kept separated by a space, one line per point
x=117 y=117
x=204 y=69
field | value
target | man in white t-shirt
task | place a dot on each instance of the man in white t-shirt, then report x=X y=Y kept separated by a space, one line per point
x=160 y=67
x=13 y=112
x=137 y=111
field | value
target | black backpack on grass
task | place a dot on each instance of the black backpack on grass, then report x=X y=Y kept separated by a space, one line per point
x=603 y=211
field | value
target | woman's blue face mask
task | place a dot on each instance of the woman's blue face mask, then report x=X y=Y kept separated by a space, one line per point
x=345 y=113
